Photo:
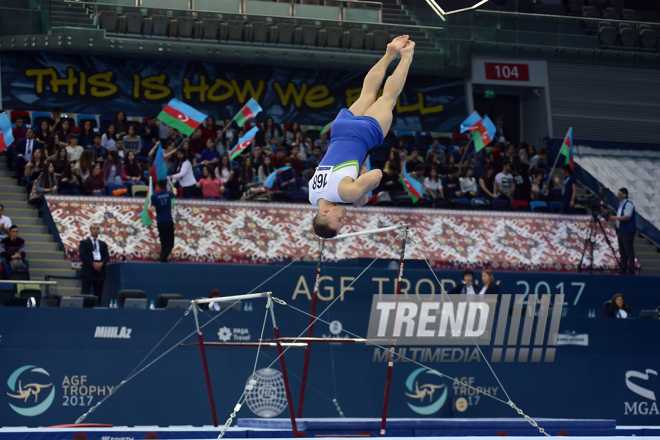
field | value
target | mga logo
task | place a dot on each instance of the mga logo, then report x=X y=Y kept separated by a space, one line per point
x=646 y=407
x=26 y=385
x=426 y=389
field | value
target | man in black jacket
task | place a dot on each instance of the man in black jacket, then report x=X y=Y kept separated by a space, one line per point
x=24 y=150
x=94 y=255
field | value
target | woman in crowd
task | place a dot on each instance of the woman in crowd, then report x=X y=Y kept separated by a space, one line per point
x=46 y=183
x=487 y=183
x=184 y=175
x=43 y=133
x=433 y=186
x=210 y=155
x=109 y=138
x=85 y=164
x=538 y=186
x=60 y=161
x=113 y=169
x=95 y=185
x=272 y=135
x=73 y=150
x=248 y=174
x=120 y=123
x=393 y=159
x=288 y=180
x=35 y=166
x=212 y=187
x=132 y=142
x=224 y=169
x=265 y=170
x=468 y=183
x=70 y=183
x=450 y=162
x=618 y=308
x=221 y=143
x=304 y=146
x=290 y=135
x=209 y=130
x=132 y=172
x=86 y=135
x=234 y=184
x=63 y=133
x=489 y=286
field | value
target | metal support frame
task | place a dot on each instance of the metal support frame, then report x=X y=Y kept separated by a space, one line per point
x=207 y=377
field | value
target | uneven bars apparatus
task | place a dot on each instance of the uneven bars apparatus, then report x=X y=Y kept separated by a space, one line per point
x=312 y=317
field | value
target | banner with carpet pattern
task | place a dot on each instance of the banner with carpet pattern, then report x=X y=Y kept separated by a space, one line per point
x=260 y=233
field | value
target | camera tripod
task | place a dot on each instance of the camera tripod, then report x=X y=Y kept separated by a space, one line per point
x=590 y=243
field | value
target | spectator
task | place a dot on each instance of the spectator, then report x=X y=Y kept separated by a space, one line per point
x=569 y=189
x=504 y=185
x=304 y=145
x=314 y=159
x=94 y=184
x=24 y=150
x=468 y=183
x=190 y=154
x=487 y=183
x=86 y=135
x=520 y=173
x=55 y=114
x=120 y=148
x=132 y=142
x=19 y=132
x=510 y=151
x=100 y=152
x=43 y=133
x=161 y=203
x=296 y=160
x=390 y=181
x=12 y=252
x=184 y=175
x=132 y=173
x=393 y=159
x=63 y=134
x=496 y=160
x=233 y=184
x=51 y=147
x=480 y=162
x=322 y=142
x=70 y=183
x=466 y=288
x=163 y=131
x=209 y=130
x=539 y=187
x=61 y=162
x=618 y=308
x=278 y=159
x=150 y=131
x=418 y=173
x=265 y=170
x=113 y=169
x=35 y=166
x=109 y=138
x=449 y=164
x=94 y=255
x=434 y=161
x=221 y=142
x=5 y=223
x=230 y=134
x=287 y=180
x=85 y=164
x=523 y=153
x=73 y=150
x=120 y=123
x=257 y=156
x=435 y=149
x=273 y=136
x=626 y=227
x=212 y=187
x=413 y=160
x=489 y=288
x=291 y=133
x=501 y=132
x=402 y=148
x=198 y=143
x=452 y=185
x=540 y=160
x=210 y=155
x=433 y=186
x=460 y=155
x=248 y=174
x=224 y=169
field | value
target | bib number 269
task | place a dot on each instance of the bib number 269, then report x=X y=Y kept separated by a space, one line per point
x=320 y=181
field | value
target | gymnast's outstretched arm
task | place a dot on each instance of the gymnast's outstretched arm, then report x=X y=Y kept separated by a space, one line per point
x=350 y=192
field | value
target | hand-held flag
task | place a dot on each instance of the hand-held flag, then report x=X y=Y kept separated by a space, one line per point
x=470 y=121
x=6 y=134
x=181 y=116
x=270 y=180
x=249 y=111
x=243 y=142
x=158 y=169
x=567 y=148
x=414 y=188
x=146 y=219
x=484 y=133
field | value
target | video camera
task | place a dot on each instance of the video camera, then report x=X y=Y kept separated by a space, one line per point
x=596 y=203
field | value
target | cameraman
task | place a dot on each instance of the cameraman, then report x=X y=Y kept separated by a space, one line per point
x=626 y=226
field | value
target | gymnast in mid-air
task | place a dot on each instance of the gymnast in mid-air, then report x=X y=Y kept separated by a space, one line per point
x=341 y=176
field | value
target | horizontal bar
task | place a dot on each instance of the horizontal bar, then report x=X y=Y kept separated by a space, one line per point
x=231 y=298
x=32 y=282
x=245 y=344
x=330 y=340
x=371 y=231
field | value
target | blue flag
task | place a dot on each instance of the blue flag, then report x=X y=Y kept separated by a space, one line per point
x=270 y=180
x=470 y=121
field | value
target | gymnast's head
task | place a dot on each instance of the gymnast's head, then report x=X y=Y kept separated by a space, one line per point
x=329 y=220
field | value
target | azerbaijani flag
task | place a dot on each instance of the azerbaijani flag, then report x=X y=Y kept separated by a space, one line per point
x=326 y=128
x=243 y=142
x=567 y=148
x=181 y=117
x=249 y=111
x=414 y=188
x=270 y=180
x=484 y=131
x=470 y=122
x=158 y=168
x=147 y=220
x=6 y=134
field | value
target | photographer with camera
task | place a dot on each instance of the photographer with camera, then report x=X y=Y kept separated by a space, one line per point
x=626 y=226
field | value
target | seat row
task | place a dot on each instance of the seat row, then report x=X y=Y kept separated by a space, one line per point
x=257 y=31
x=627 y=35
